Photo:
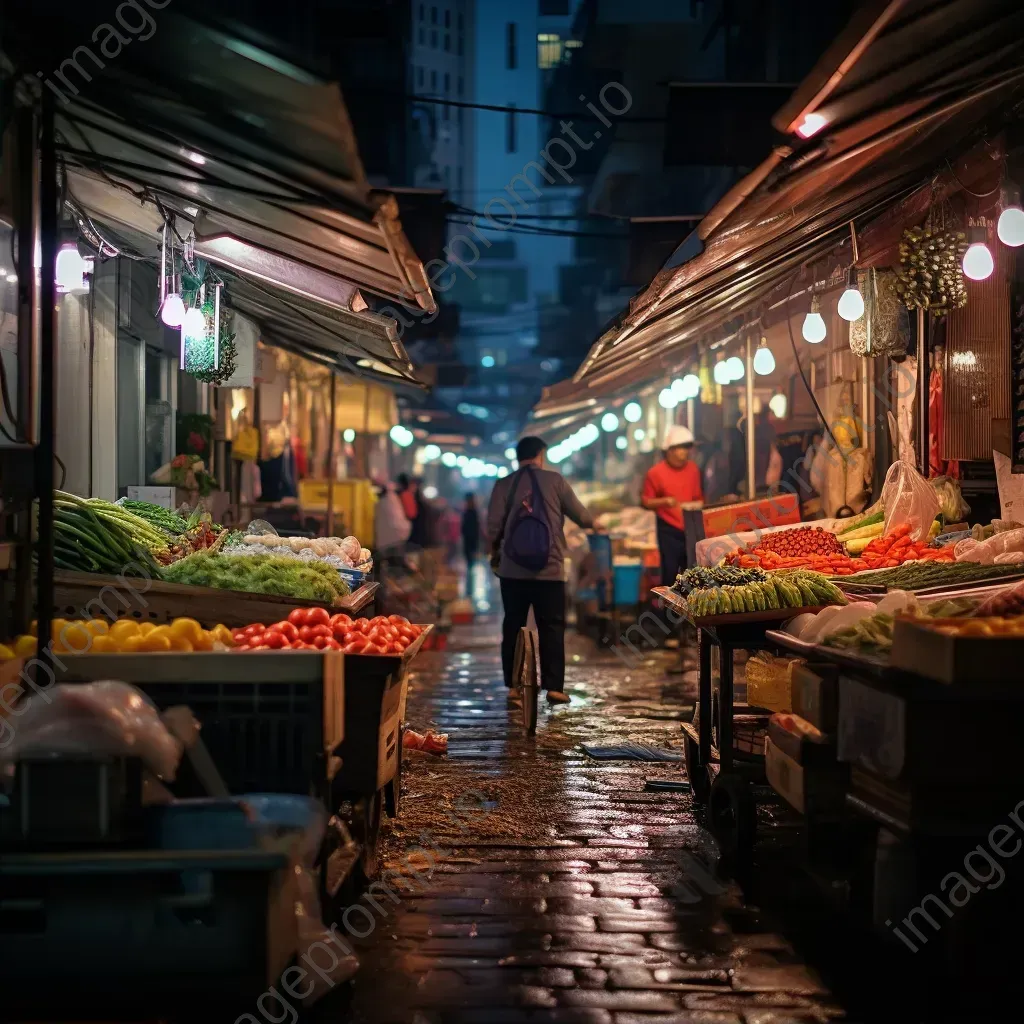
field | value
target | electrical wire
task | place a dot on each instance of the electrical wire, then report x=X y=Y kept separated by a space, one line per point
x=530 y=229
x=803 y=377
x=971 y=192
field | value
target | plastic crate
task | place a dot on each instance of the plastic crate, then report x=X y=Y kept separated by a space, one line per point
x=119 y=934
x=626 y=583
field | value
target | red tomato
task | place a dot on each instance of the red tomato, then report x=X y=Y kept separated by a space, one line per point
x=341 y=619
x=331 y=644
x=259 y=647
x=378 y=619
x=376 y=636
x=322 y=630
x=274 y=640
x=318 y=617
x=321 y=642
x=305 y=634
x=242 y=647
x=355 y=647
x=361 y=625
x=297 y=617
x=408 y=633
x=239 y=637
x=398 y=620
x=254 y=630
x=288 y=629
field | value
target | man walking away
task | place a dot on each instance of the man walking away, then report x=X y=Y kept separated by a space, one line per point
x=470 y=529
x=525 y=521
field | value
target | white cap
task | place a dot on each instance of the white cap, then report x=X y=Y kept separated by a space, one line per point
x=676 y=435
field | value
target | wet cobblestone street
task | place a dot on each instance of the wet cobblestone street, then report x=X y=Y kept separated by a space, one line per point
x=532 y=883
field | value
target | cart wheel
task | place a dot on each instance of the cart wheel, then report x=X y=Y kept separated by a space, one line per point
x=696 y=773
x=732 y=815
x=528 y=676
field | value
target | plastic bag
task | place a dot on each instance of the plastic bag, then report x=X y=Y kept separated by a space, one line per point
x=260 y=528
x=909 y=498
x=106 y=718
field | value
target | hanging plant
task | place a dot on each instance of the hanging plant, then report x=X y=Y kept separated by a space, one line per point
x=930 y=275
x=210 y=362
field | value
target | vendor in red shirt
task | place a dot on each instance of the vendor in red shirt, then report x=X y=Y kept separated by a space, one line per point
x=668 y=485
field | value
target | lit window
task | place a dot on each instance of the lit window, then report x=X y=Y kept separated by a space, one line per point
x=549 y=50
x=573 y=44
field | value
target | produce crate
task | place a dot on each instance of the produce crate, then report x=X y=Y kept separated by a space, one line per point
x=769 y=615
x=271 y=721
x=120 y=933
x=374 y=709
x=90 y=595
x=988 y=664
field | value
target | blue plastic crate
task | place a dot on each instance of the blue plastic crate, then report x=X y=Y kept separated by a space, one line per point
x=626 y=580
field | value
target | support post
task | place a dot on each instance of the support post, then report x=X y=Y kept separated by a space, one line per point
x=331 y=435
x=923 y=382
x=49 y=214
x=749 y=380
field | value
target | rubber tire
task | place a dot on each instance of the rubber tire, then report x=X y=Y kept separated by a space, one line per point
x=696 y=773
x=732 y=818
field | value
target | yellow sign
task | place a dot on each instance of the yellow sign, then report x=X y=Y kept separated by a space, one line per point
x=246 y=445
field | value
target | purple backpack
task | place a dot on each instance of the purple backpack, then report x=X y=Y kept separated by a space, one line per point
x=527 y=537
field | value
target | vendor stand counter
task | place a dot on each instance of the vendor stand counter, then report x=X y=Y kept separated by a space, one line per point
x=315 y=723
x=931 y=735
x=724 y=744
x=81 y=594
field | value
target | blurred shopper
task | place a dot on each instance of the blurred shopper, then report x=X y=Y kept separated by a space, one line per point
x=390 y=523
x=525 y=521
x=470 y=529
x=671 y=483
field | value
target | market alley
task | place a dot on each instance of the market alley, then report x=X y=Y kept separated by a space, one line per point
x=536 y=884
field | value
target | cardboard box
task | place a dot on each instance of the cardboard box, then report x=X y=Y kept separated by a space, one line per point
x=785 y=775
x=816 y=694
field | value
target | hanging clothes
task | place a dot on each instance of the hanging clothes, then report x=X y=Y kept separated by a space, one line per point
x=937 y=466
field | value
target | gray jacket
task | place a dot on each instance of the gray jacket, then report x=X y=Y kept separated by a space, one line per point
x=559 y=502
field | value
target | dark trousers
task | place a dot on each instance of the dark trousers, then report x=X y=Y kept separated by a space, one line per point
x=672 y=550
x=548 y=600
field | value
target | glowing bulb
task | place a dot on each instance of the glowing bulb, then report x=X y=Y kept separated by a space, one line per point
x=814 y=325
x=193 y=323
x=621 y=443
x=69 y=267
x=609 y=422
x=510 y=454
x=633 y=412
x=735 y=367
x=691 y=383
x=461 y=461
x=764 y=361
x=679 y=389
x=487 y=362
x=638 y=434
x=1010 y=227
x=851 y=302
x=978 y=263
x=777 y=404
x=172 y=312
x=721 y=372
x=349 y=435
x=432 y=452
x=448 y=459
x=811 y=125
x=667 y=399
x=502 y=472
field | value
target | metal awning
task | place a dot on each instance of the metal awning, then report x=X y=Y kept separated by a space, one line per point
x=904 y=85
x=260 y=150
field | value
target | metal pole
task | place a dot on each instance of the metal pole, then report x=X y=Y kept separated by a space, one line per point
x=751 y=481
x=922 y=393
x=691 y=414
x=330 y=456
x=48 y=227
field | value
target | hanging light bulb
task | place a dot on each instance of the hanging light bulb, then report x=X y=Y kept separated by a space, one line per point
x=764 y=361
x=609 y=422
x=777 y=404
x=193 y=324
x=172 y=311
x=621 y=443
x=1010 y=226
x=691 y=384
x=633 y=412
x=814 y=325
x=851 y=302
x=978 y=263
x=69 y=267
x=735 y=367
x=721 y=372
